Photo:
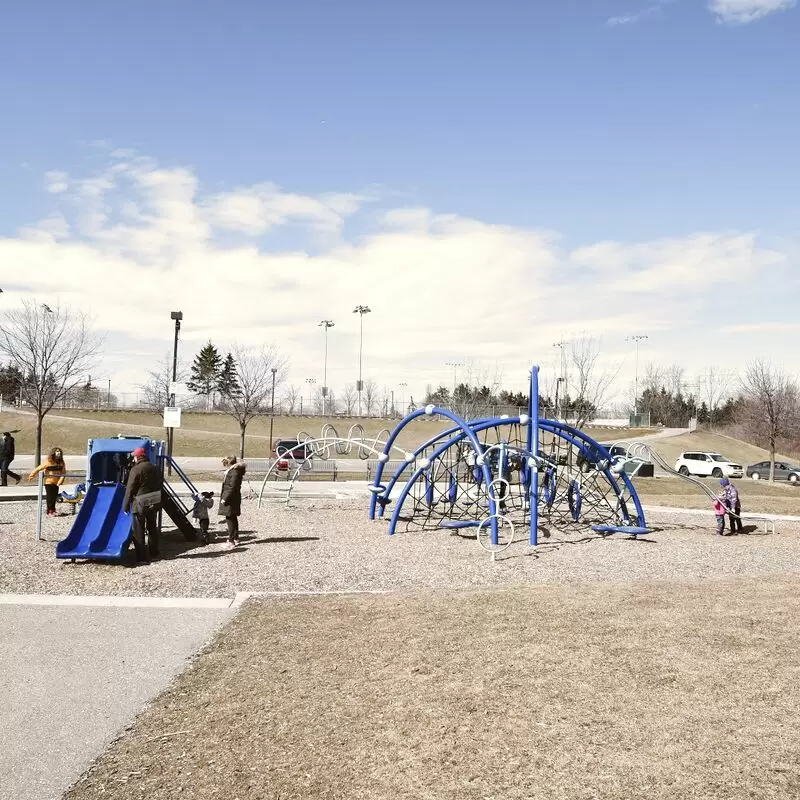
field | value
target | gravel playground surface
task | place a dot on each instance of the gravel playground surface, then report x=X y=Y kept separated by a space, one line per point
x=330 y=545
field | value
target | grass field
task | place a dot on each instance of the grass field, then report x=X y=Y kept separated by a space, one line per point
x=659 y=691
x=212 y=434
x=757 y=496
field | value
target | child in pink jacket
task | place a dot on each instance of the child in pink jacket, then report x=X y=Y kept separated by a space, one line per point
x=720 y=510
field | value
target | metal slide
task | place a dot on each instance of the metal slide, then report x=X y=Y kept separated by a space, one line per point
x=101 y=529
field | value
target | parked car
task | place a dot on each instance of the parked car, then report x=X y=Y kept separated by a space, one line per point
x=291 y=450
x=633 y=466
x=783 y=471
x=713 y=465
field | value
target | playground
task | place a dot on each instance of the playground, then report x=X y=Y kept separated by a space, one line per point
x=397 y=643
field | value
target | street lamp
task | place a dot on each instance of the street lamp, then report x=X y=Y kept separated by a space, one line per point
x=177 y=316
x=455 y=365
x=311 y=382
x=274 y=370
x=326 y=323
x=639 y=337
x=360 y=310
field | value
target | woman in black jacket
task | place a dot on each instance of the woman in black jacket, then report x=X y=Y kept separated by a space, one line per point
x=230 y=499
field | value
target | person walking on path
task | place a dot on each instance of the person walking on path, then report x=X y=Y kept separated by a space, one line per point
x=230 y=498
x=7 y=454
x=204 y=501
x=733 y=504
x=143 y=498
x=54 y=470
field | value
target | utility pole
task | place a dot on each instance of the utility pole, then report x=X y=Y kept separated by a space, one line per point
x=639 y=337
x=403 y=387
x=311 y=382
x=360 y=310
x=326 y=323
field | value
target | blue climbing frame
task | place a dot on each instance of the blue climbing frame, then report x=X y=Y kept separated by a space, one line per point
x=418 y=463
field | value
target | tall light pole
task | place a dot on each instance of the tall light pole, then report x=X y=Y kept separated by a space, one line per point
x=360 y=310
x=311 y=382
x=403 y=387
x=272 y=409
x=639 y=337
x=561 y=344
x=455 y=365
x=326 y=323
x=177 y=316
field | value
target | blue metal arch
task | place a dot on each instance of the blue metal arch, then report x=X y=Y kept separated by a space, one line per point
x=467 y=432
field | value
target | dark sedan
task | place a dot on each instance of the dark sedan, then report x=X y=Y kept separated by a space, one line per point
x=783 y=471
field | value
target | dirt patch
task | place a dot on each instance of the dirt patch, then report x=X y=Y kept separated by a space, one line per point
x=656 y=691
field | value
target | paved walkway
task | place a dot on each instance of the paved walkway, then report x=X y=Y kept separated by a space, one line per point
x=72 y=678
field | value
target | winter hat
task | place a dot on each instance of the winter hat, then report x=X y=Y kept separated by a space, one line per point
x=724 y=482
x=139 y=452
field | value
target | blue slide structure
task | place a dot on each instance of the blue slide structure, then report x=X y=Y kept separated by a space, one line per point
x=101 y=529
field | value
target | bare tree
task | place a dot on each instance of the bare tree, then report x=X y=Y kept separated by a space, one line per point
x=291 y=397
x=52 y=349
x=348 y=399
x=477 y=393
x=674 y=379
x=253 y=395
x=589 y=385
x=771 y=406
x=370 y=395
x=714 y=386
x=156 y=391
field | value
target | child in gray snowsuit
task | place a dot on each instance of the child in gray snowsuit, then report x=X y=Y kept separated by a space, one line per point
x=200 y=512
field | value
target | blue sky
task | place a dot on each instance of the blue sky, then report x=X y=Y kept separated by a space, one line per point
x=581 y=122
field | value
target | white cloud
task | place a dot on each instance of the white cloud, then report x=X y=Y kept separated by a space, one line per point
x=139 y=240
x=257 y=209
x=744 y=11
x=632 y=17
x=56 y=182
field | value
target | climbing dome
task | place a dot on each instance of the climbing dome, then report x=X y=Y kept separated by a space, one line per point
x=504 y=478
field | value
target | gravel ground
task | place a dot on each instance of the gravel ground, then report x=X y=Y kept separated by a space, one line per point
x=330 y=545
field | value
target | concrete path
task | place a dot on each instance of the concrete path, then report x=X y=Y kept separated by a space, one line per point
x=73 y=677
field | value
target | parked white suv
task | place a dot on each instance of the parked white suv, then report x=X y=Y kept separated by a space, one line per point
x=711 y=465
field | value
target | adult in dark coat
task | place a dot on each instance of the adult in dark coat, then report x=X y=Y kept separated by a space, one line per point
x=7 y=454
x=143 y=498
x=230 y=498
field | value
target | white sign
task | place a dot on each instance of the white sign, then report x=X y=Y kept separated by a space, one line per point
x=177 y=388
x=172 y=417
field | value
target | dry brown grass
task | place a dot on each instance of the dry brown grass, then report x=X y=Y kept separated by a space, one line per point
x=636 y=691
x=209 y=434
x=757 y=496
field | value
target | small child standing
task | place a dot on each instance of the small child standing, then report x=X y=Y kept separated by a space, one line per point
x=203 y=502
x=720 y=510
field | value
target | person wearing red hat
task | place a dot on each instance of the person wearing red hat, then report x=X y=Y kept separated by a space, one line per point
x=143 y=498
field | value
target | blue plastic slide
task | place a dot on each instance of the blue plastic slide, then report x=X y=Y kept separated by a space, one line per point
x=101 y=529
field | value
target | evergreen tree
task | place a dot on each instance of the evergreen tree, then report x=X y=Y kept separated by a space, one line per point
x=228 y=381
x=206 y=371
